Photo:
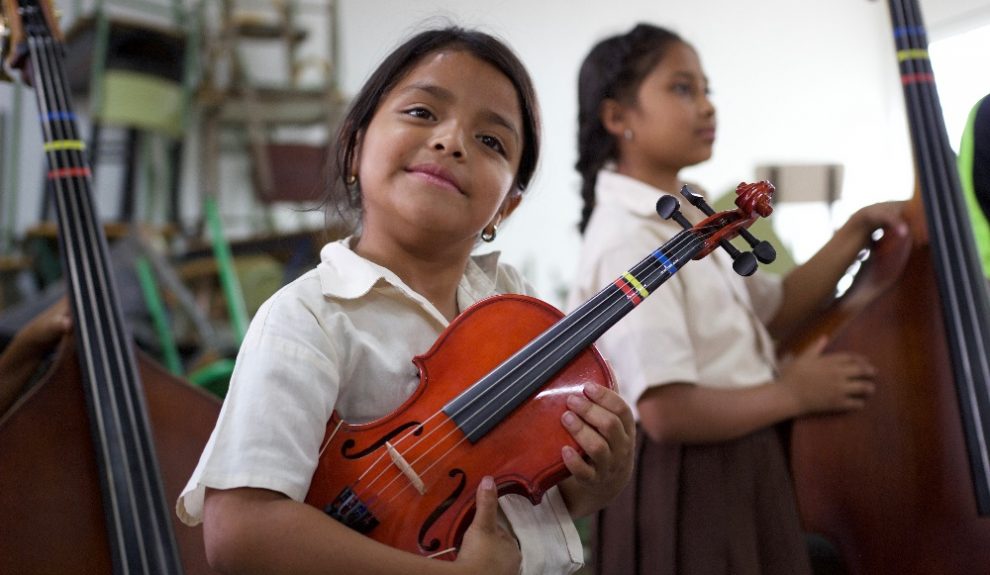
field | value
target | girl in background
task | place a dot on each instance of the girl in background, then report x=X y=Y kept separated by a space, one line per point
x=434 y=154
x=711 y=493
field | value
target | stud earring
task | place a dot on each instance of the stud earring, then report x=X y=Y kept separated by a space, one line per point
x=627 y=134
x=351 y=179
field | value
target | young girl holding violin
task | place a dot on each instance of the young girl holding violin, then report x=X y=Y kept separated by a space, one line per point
x=711 y=492
x=434 y=154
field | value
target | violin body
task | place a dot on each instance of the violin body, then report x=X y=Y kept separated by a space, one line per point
x=522 y=453
x=53 y=519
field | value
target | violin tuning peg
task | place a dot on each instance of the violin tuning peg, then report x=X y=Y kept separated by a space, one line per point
x=669 y=208
x=764 y=252
x=696 y=200
x=745 y=265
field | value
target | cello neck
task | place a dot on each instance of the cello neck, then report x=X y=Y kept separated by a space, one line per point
x=960 y=280
x=137 y=518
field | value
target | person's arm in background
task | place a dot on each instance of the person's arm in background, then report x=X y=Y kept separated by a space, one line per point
x=21 y=358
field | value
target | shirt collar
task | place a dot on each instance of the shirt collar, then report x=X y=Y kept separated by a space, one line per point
x=346 y=275
x=631 y=194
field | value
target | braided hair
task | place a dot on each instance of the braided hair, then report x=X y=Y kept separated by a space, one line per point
x=614 y=69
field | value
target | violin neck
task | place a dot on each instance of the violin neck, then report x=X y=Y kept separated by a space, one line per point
x=137 y=517
x=959 y=275
x=529 y=369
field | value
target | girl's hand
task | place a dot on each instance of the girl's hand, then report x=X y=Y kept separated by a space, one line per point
x=828 y=382
x=882 y=215
x=487 y=547
x=43 y=332
x=602 y=425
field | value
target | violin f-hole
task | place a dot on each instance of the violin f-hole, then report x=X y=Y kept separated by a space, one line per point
x=345 y=449
x=434 y=543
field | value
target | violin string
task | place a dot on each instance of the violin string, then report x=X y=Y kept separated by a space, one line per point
x=602 y=308
x=429 y=435
x=505 y=389
x=654 y=273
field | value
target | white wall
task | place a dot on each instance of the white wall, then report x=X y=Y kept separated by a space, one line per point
x=793 y=80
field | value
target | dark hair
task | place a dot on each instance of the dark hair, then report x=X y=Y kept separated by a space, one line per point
x=614 y=69
x=347 y=199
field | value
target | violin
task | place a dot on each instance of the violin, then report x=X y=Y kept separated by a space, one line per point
x=92 y=455
x=492 y=405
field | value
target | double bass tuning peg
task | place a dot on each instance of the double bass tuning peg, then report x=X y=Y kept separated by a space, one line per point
x=744 y=263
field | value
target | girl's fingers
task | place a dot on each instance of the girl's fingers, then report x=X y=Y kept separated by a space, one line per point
x=487 y=506
x=579 y=468
x=603 y=409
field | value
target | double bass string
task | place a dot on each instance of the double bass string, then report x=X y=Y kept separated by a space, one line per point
x=66 y=190
x=963 y=287
x=106 y=359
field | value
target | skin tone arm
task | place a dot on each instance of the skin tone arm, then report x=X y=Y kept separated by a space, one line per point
x=812 y=382
x=810 y=286
x=259 y=531
x=24 y=354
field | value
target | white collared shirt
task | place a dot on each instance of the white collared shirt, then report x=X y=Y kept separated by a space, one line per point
x=342 y=337
x=703 y=326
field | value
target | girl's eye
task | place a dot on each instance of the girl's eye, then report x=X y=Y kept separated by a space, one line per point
x=493 y=143
x=684 y=89
x=419 y=112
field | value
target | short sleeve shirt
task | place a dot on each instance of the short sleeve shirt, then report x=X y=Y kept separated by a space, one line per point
x=342 y=337
x=704 y=326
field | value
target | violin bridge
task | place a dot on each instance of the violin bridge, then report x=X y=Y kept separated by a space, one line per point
x=405 y=468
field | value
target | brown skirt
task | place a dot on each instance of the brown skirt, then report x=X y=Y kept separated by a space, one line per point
x=725 y=508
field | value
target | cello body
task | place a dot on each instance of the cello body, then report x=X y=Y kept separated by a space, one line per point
x=53 y=520
x=903 y=486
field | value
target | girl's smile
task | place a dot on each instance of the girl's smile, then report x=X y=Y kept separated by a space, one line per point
x=435 y=174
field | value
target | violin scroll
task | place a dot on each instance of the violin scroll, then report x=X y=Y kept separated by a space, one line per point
x=752 y=201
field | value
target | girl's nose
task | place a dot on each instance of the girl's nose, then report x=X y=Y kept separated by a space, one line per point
x=449 y=142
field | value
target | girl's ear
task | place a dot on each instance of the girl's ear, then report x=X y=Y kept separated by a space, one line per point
x=356 y=155
x=510 y=203
x=613 y=117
